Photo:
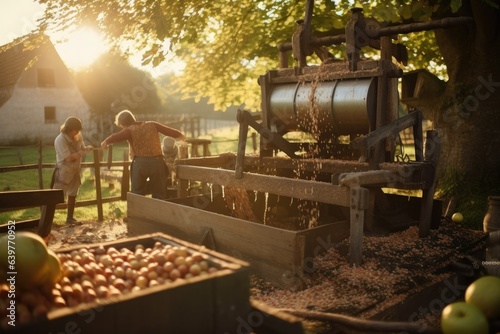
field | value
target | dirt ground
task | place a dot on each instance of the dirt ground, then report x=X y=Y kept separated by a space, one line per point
x=88 y=232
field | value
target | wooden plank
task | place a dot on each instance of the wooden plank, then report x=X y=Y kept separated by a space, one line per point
x=359 y=202
x=391 y=129
x=89 y=202
x=13 y=200
x=97 y=171
x=383 y=178
x=21 y=225
x=47 y=199
x=215 y=161
x=295 y=188
x=333 y=166
x=413 y=173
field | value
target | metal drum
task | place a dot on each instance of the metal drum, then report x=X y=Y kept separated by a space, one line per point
x=340 y=107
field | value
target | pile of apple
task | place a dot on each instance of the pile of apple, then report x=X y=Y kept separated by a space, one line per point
x=87 y=274
x=101 y=272
x=481 y=306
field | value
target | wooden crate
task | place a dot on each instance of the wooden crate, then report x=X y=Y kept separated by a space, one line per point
x=282 y=256
x=203 y=304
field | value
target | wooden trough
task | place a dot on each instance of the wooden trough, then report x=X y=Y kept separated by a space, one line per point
x=280 y=255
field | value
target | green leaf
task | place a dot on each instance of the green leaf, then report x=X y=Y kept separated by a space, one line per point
x=455 y=5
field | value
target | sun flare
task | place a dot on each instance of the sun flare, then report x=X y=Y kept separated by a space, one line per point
x=81 y=48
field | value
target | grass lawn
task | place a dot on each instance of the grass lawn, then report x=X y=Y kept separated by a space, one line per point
x=29 y=179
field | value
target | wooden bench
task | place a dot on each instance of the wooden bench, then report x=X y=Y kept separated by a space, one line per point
x=47 y=199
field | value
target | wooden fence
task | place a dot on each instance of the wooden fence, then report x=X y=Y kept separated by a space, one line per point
x=99 y=168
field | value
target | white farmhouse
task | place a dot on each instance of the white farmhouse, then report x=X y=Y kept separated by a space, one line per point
x=37 y=92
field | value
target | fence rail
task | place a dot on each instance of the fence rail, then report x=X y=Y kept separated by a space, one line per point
x=99 y=169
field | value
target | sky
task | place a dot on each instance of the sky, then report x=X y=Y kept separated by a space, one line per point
x=18 y=18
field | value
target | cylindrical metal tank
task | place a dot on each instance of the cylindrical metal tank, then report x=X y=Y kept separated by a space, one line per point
x=340 y=107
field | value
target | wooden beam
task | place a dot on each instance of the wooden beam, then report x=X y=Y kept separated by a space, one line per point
x=47 y=199
x=391 y=129
x=13 y=200
x=381 y=178
x=21 y=225
x=309 y=190
x=359 y=198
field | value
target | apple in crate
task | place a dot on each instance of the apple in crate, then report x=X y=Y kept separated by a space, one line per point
x=484 y=292
x=463 y=318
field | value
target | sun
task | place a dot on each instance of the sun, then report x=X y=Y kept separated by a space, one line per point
x=81 y=48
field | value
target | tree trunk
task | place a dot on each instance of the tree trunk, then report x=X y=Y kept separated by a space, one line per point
x=467 y=116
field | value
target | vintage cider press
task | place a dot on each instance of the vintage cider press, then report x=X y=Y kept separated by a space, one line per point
x=355 y=99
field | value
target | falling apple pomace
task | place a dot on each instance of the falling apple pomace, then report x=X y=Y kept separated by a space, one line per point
x=484 y=292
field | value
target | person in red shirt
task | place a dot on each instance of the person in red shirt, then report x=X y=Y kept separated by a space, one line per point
x=145 y=152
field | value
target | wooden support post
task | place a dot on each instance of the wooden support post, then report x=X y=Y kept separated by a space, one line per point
x=254 y=142
x=40 y=161
x=359 y=198
x=184 y=152
x=46 y=219
x=379 y=150
x=418 y=137
x=432 y=150
x=20 y=156
x=125 y=177
x=206 y=148
x=283 y=55
x=97 y=173
x=194 y=150
x=242 y=144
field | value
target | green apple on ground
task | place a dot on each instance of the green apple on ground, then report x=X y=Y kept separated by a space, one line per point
x=463 y=318
x=485 y=294
x=457 y=217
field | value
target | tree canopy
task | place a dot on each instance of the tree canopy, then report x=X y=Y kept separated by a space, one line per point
x=226 y=45
x=112 y=84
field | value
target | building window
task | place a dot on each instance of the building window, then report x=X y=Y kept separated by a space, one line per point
x=46 y=77
x=50 y=114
